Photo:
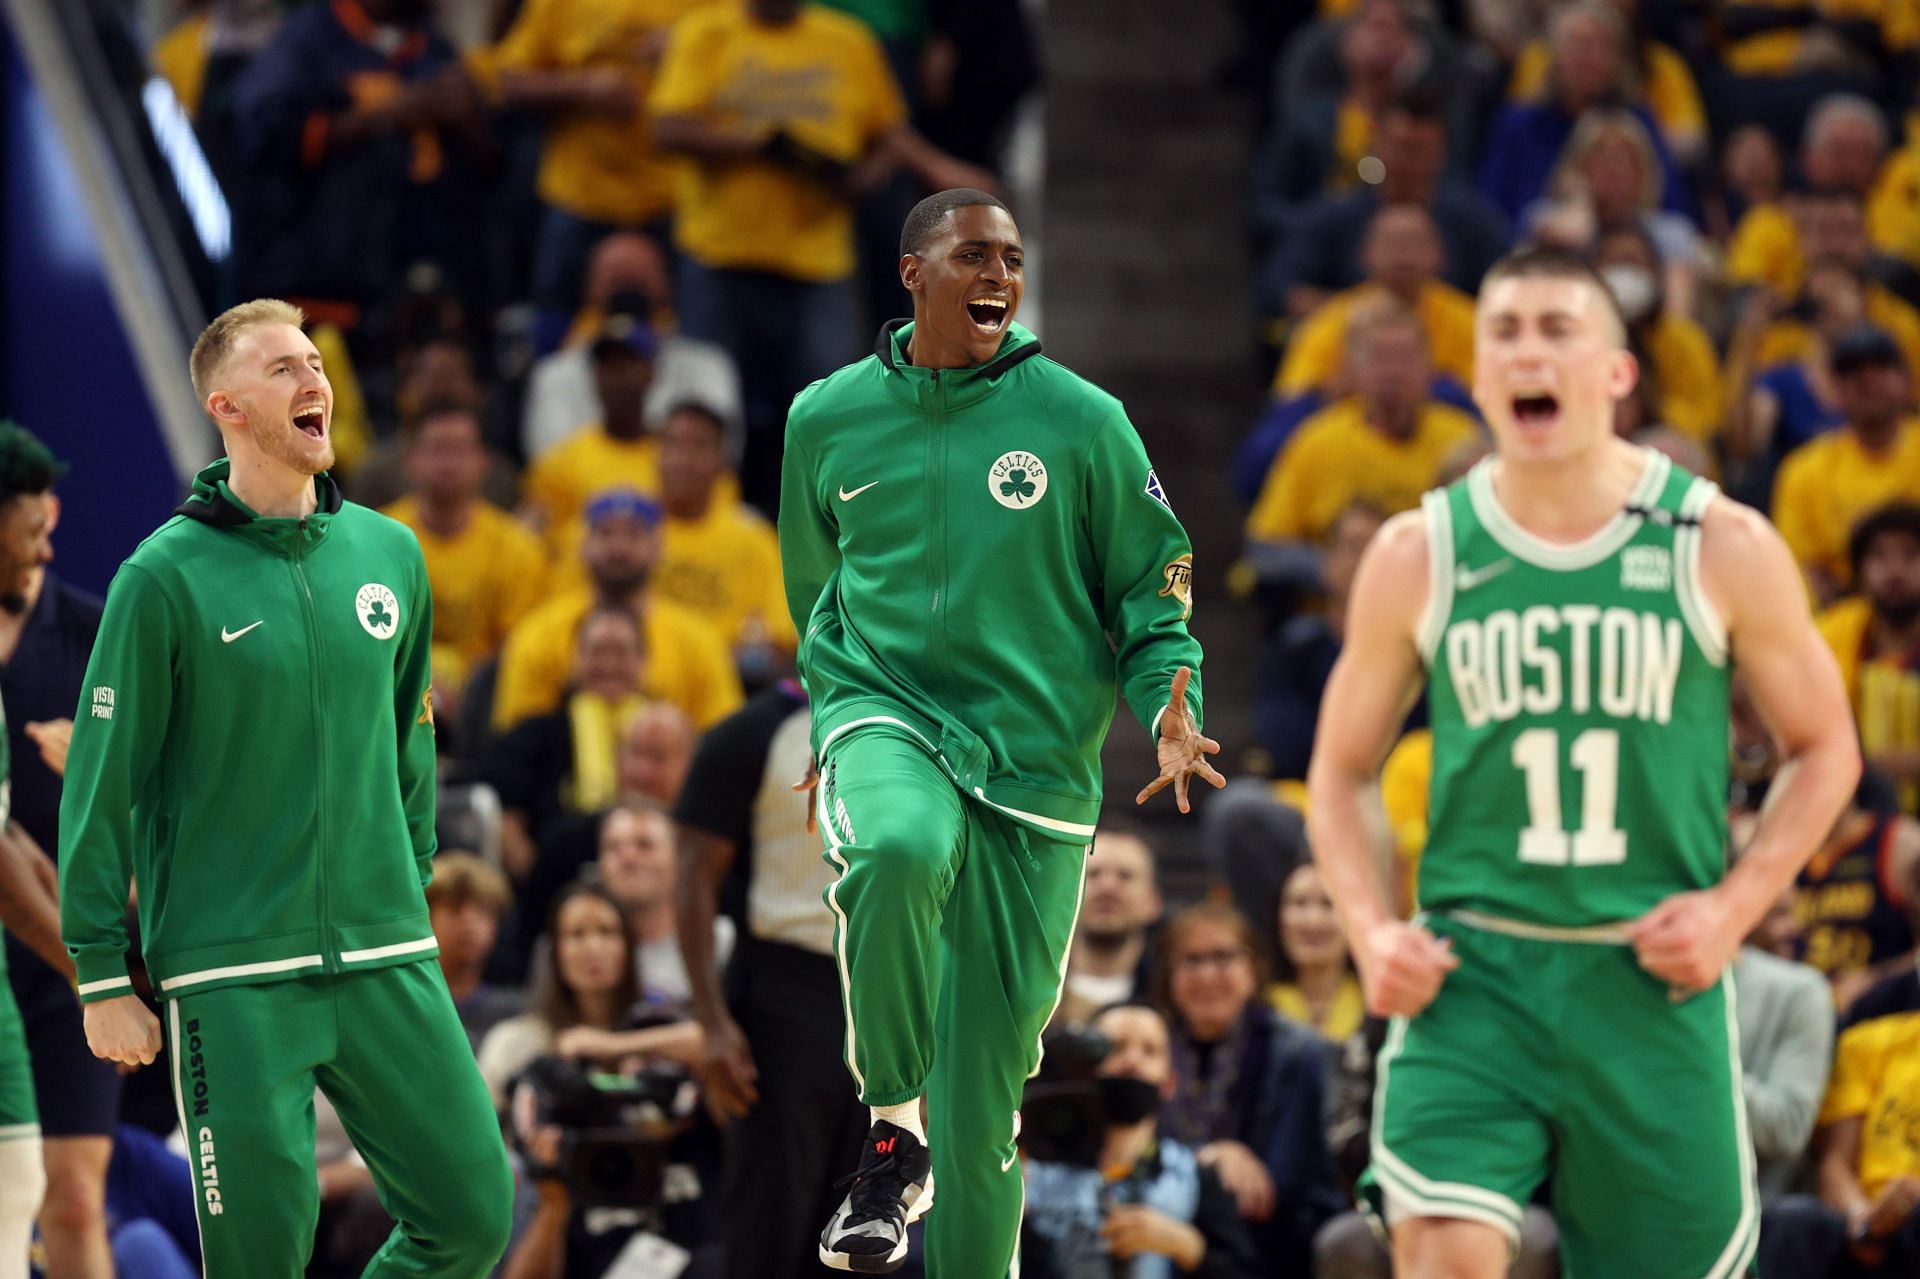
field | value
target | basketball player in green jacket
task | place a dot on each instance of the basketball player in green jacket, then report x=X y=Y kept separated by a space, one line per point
x=1562 y=1006
x=254 y=752
x=978 y=556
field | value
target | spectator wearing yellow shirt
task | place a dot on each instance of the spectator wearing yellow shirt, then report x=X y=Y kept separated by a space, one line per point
x=788 y=112
x=618 y=452
x=1832 y=229
x=551 y=766
x=1401 y=257
x=1842 y=151
x=1684 y=364
x=1875 y=637
x=1661 y=79
x=1384 y=445
x=486 y=570
x=686 y=659
x=1827 y=484
x=1772 y=409
x=1314 y=982
x=627 y=274
x=718 y=556
x=587 y=67
x=1866 y=1220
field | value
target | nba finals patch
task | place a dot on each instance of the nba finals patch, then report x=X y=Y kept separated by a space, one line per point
x=1179 y=575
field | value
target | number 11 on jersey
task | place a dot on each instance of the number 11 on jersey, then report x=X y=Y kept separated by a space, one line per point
x=1595 y=754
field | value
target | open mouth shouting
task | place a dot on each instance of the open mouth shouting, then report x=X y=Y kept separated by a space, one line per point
x=1536 y=411
x=311 y=420
x=989 y=314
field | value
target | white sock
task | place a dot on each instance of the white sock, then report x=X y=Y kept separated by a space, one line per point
x=905 y=1115
x=22 y=1181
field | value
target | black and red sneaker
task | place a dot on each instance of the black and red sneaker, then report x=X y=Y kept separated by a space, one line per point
x=894 y=1186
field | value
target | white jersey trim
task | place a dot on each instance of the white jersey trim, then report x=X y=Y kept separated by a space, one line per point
x=1587 y=552
x=1709 y=629
x=19 y=1132
x=1439 y=608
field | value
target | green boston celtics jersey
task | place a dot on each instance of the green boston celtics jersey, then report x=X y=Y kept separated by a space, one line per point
x=1578 y=696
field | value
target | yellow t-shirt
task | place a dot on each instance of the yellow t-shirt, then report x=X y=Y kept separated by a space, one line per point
x=687 y=662
x=725 y=566
x=1335 y=458
x=1668 y=90
x=1689 y=374
x=1884 y=692
x=593 y=165
x=1827 y=484
x=1345 y=1012
x=564 y=479
x=484 y=579
x=180 y=56
x=1787 y=340
x=1876 y=1078
x=1319 y=345
x=1893 y=210
x=1765 y=245
x=824 y=80
x=1765 y=249
x=1777 y=52
x=1404 y=781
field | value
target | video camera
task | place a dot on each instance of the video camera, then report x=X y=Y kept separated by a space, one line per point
x=614 y=1128
x=1063 y=1113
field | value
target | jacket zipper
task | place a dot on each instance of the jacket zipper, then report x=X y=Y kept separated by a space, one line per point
x=937 y=522
x=329 y=955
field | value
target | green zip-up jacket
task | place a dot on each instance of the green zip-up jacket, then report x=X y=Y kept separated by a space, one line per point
x=253 y=749
x=978 y=557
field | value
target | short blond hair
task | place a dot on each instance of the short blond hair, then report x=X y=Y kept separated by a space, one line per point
x=216 y=341
x=462 y=877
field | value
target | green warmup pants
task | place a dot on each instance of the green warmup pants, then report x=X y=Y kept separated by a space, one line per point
x=387 y=1048
x=952 y=925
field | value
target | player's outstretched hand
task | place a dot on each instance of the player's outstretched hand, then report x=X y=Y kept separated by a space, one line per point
x=1401 y=968
x=122 y=1030
x=1183 y=751
x=1687 y=940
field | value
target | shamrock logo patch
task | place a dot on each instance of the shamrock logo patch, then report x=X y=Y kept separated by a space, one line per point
x=1018 y=480
x=378 y=610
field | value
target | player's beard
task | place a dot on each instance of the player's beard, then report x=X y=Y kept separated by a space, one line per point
x=288 y=445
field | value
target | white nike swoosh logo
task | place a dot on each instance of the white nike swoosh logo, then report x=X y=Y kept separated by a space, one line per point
x=1006 y=1165
x=229 y=637
x=1468 y=578
x=845 y=496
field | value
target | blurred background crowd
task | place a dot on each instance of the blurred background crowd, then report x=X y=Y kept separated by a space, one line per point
x=568 y=260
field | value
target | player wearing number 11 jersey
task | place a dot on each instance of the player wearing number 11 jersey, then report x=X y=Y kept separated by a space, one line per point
x=1561 y=1006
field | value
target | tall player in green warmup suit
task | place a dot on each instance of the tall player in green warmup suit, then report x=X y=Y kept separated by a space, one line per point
x=1562 y=1007
x=979 y=556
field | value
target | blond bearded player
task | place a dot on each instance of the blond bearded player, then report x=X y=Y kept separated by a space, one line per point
x=254 y=750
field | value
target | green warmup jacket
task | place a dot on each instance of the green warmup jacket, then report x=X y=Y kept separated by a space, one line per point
x=253 y=750
x=978 y=557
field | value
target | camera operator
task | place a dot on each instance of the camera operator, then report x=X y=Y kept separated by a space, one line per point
x=1129 y=1204
x=594 y=1145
